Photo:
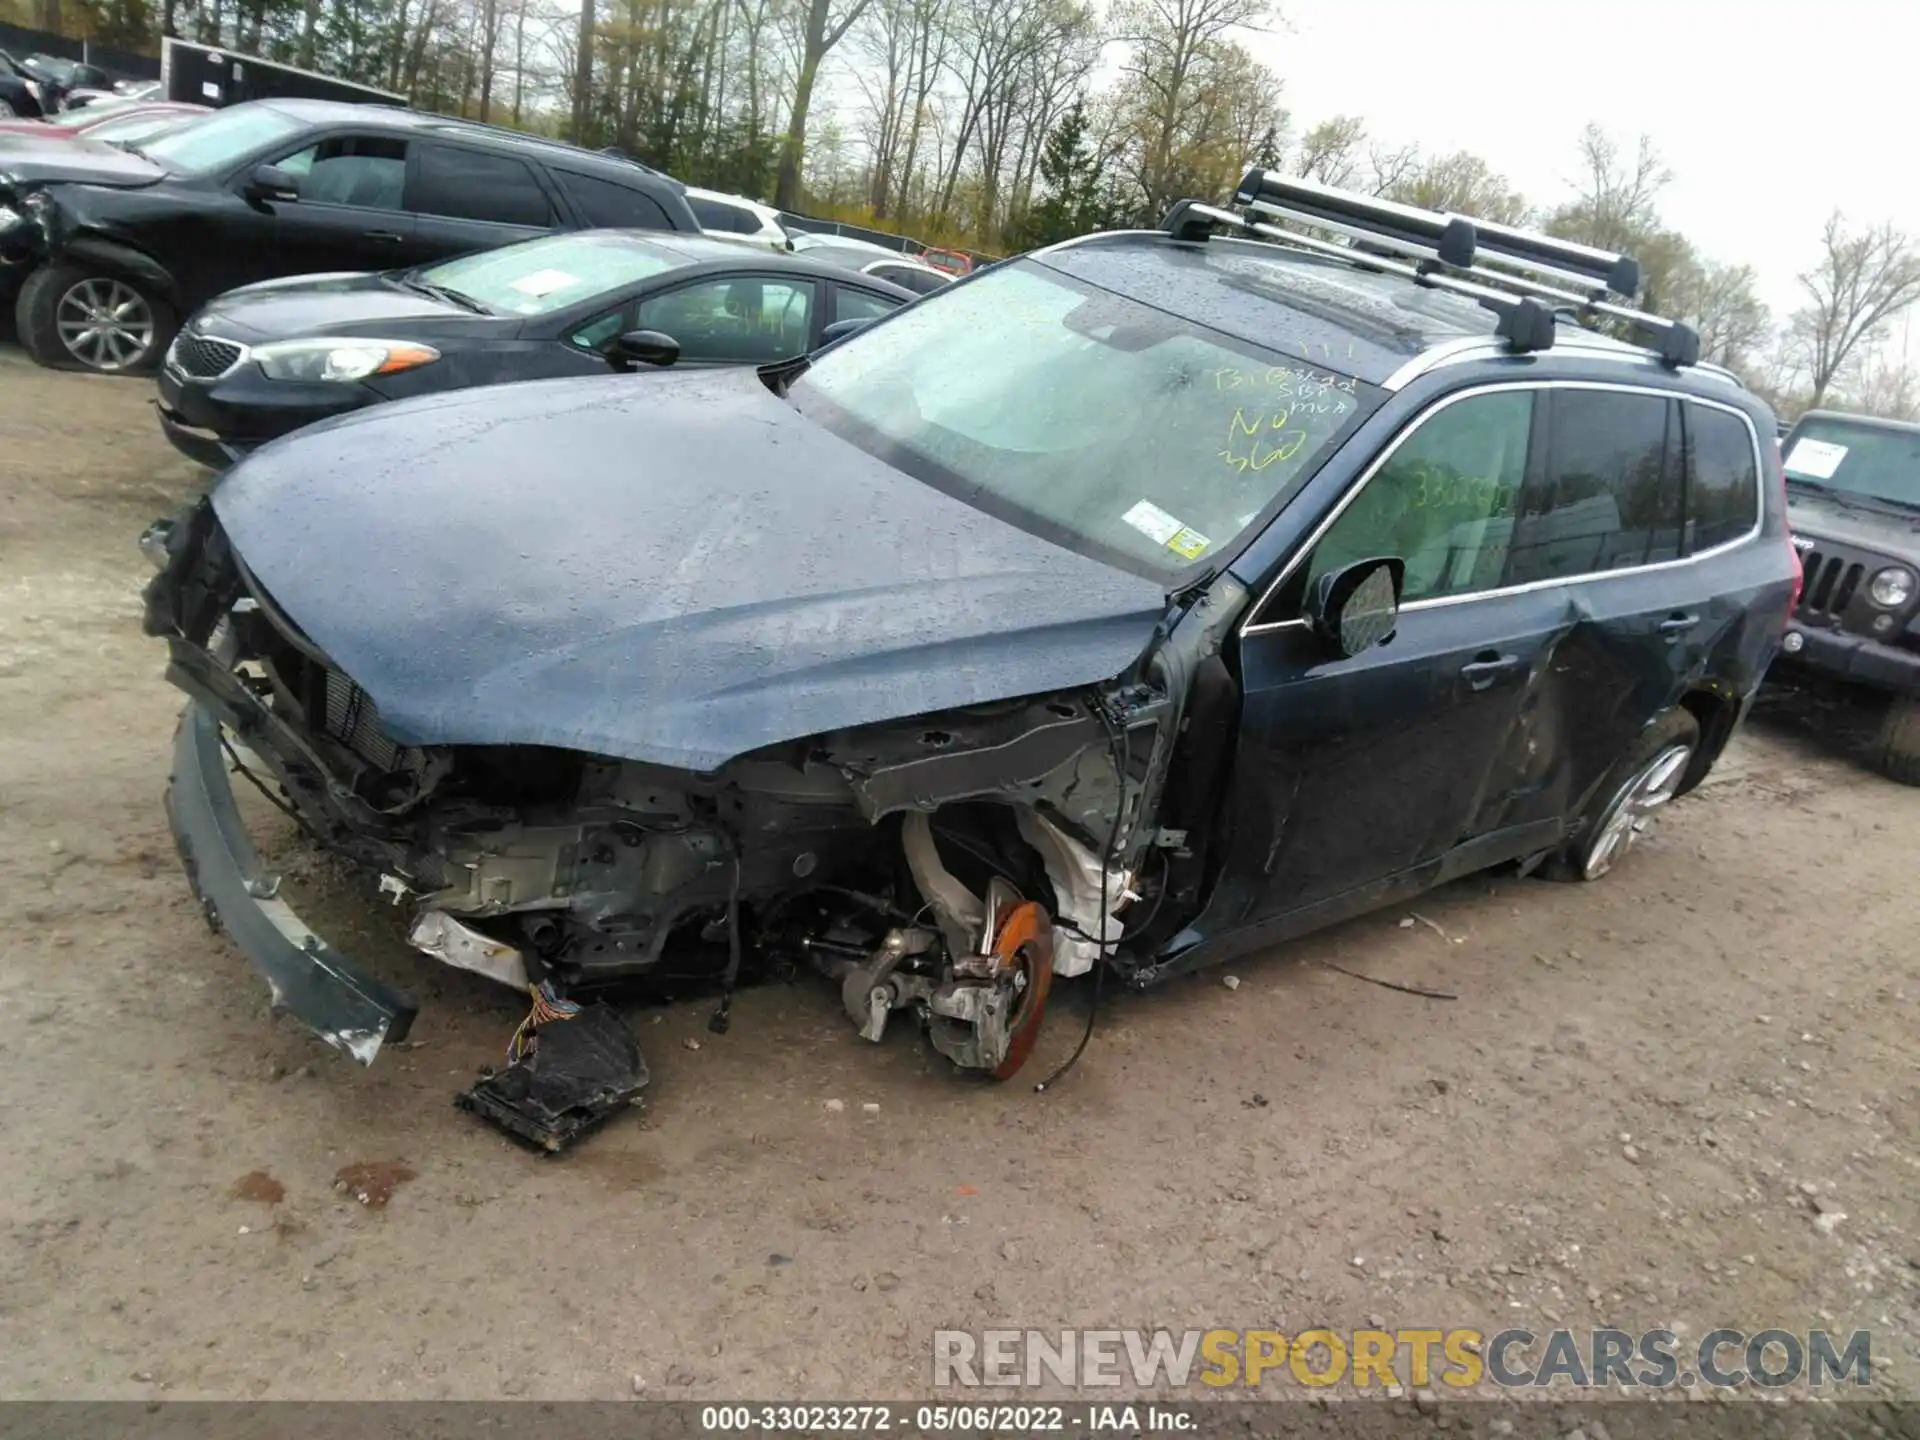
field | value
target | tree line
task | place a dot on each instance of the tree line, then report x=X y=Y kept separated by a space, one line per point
x=1002 y=124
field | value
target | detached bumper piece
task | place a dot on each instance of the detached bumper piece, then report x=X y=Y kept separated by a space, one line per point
x=308 y=979
x=580 y=1072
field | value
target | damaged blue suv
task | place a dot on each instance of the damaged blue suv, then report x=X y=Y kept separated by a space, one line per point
x=1134 y=604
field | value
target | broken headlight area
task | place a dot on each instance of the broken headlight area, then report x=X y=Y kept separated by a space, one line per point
x=943 y=867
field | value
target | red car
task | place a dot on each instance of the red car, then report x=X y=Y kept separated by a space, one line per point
x=133 y=120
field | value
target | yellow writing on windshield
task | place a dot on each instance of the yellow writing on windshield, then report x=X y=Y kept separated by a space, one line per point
x=1285 y=381
x=1256 y=440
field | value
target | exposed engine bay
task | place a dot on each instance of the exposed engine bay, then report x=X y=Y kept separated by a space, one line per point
x=945 y=867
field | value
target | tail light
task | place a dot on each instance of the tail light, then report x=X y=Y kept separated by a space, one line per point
x=1793 y=550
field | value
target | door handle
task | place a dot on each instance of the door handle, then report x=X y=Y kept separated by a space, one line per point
x=1677 y=624
x=393 y=235
x=1487 y=667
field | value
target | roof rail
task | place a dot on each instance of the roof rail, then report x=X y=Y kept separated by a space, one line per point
x=1473 y=258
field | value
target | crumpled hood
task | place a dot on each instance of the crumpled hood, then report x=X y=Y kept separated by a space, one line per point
x=669 y=568
x=1879 y=532
x=34 y=160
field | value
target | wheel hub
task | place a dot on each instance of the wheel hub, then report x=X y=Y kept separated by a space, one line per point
x=104 y=323
x=1626 y=819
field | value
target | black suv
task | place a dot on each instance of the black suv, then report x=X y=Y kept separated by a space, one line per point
x=1140 y=602
x=118 y=243
x=1853 y=493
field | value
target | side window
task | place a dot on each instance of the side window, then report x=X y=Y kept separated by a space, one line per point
x=1444 y=501
x=473 y=185
x=911 y=277
x=369 y=171
x=598 y=331
x=860 y=305
x=723 y=218
x=601 y=203
x=1724 y=500
x=743 y=319
x=1608 y=496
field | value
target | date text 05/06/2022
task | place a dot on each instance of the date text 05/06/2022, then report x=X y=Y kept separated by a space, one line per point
x=946 y=1419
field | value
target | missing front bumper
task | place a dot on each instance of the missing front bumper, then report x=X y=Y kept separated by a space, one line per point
x=308 y=979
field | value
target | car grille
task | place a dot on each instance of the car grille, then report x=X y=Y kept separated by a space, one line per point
x=202 y=357
x=1832 y=580
x=353 y=720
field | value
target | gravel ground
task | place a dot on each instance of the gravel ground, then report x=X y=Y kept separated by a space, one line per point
x=1682 y=1097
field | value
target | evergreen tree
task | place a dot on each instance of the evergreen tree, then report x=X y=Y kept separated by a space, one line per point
x=1076 y=196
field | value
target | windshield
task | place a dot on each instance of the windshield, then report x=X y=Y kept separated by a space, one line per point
x=220 y=139
x=124 y=129
x=1862 y=460
x=61 y=72
x=88 y=115
x=552 y=273
x=1105 y=425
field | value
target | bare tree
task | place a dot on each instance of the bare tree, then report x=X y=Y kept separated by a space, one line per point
x=1461 y=183
x=583 y=72
x=1171 y=46
x=1616 y=206
x=1886 y=386
x=1862 y=280
x=821 y=30
x=1723 y=303
x=1330 y=151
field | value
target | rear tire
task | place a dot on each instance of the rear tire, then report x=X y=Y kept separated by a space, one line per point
x=86 y=317
x=1896 y=749
x=1641 y=784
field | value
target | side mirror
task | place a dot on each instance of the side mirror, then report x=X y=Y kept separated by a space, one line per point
x=1356 y=608
x=840 y=329
x=270 y=182
x=642 y=347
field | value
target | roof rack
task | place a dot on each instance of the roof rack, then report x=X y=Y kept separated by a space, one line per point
x=1524 y=278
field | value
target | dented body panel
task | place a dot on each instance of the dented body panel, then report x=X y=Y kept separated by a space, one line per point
x=676 y=572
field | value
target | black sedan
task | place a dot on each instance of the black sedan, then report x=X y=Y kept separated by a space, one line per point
x=268 y=358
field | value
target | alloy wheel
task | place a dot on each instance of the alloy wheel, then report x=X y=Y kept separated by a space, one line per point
x=104 y=323
x=1626 y=818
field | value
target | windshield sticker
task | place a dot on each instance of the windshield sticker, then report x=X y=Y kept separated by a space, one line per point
x=544 y=282
x=1815 y=458
x=1163 y=529
x=1189 y=544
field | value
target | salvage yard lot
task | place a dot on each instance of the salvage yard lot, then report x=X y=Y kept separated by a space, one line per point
x=1645 y=1096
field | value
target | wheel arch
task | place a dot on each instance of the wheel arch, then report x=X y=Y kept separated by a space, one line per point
x=1717 y=712
x=134 y=264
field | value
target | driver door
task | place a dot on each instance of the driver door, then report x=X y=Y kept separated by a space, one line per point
x=1357 y=776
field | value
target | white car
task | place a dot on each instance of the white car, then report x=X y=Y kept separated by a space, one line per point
x=871 y=259
x=720 y=214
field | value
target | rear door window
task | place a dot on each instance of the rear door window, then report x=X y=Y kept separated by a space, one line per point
x=365 y=171
x=605 y=204
x=464 y=184
x=727 y=219
x=1608 y=492
x=911 y=277
x=1723 y=503
x=1443 y=501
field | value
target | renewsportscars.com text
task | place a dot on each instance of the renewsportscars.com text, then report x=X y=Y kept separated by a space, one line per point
x=1366 y=1359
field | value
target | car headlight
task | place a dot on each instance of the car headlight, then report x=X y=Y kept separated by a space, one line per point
x=1891 y=588
x=340 y=358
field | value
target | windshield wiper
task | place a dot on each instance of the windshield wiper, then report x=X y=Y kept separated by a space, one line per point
x=441 y=292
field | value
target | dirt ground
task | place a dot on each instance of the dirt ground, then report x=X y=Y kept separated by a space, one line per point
x=1634 y=1114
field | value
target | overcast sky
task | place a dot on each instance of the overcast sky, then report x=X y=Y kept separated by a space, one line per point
x=1768 y=114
